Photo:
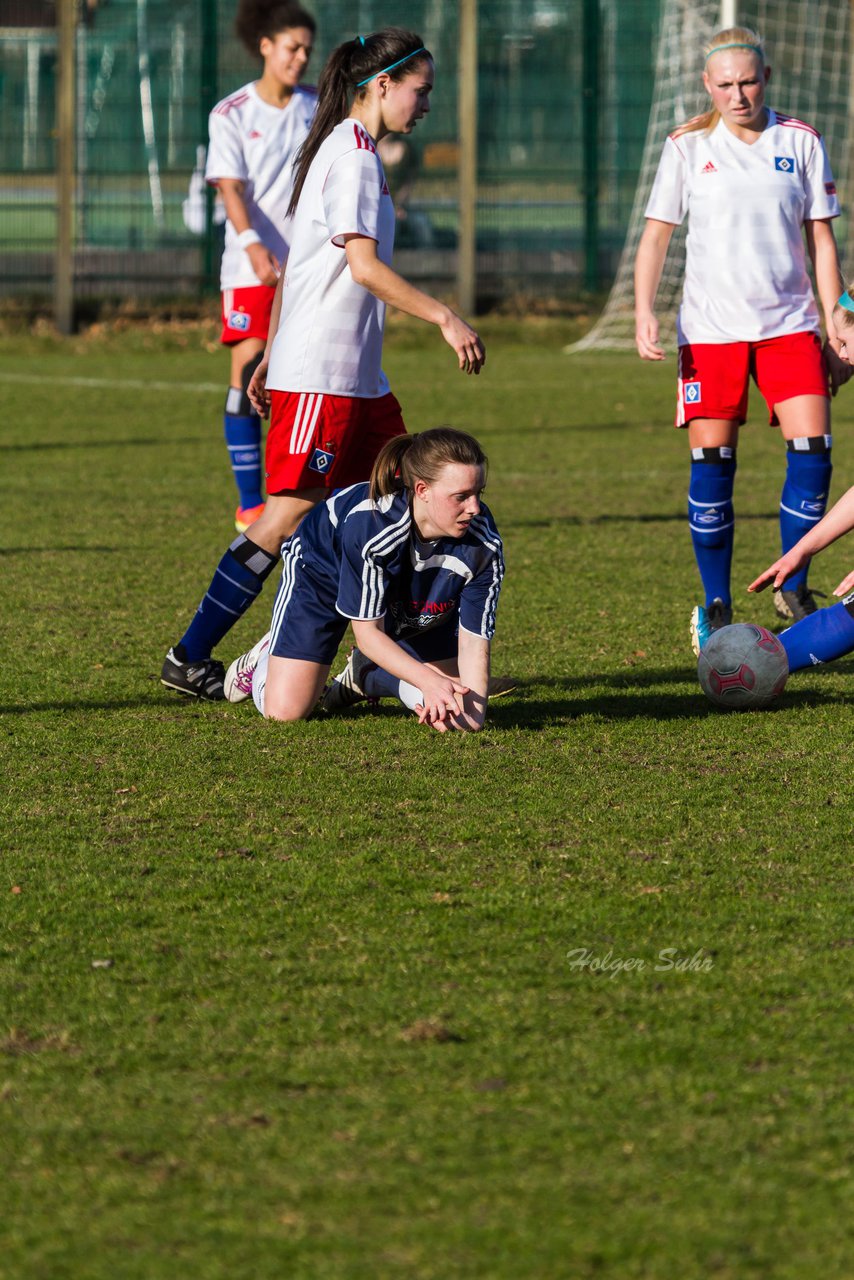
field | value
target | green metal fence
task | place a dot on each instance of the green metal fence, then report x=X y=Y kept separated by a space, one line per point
x=564 y=89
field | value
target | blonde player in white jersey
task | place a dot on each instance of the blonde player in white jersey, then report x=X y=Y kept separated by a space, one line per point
x=332 y=410
x=255 y=134
x=755 y=185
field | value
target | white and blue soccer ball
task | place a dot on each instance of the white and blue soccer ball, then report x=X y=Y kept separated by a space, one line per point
x=742 y=666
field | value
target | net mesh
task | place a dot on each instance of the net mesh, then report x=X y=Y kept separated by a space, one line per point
x=808 y=46
x=149 y=70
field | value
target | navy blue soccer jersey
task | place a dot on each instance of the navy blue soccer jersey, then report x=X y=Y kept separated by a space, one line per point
x=371 y=557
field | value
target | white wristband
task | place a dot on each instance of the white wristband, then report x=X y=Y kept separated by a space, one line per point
x=248 y=237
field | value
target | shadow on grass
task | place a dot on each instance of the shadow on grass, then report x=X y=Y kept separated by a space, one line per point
x=674 y=517
x=154 y=703
x=41 y=551
x=117 y=442
x=536 y=703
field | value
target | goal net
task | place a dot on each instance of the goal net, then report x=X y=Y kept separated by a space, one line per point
x=808 y=46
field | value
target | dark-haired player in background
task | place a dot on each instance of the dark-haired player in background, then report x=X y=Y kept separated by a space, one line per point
x=254 y=135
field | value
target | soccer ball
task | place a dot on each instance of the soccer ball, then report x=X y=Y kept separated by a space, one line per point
x=742 y=666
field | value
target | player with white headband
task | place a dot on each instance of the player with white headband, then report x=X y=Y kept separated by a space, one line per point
x=754 y=184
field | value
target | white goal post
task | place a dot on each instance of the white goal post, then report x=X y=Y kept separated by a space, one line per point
x=808 y=46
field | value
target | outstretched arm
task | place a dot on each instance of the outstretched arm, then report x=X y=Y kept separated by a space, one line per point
x=373 y=274
x=839 y=520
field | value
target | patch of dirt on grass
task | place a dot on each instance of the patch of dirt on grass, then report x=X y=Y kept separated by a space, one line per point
x=19 y=1042
x=430 y=1029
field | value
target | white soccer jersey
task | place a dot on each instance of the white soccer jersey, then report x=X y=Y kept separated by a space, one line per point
x=746 y=271
x=330 y=331
x=256 y=144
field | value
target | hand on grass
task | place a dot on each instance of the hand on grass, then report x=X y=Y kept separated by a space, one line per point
x=846 y=585
x=443 y=697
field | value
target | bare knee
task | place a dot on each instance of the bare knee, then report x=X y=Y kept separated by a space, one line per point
x=284 y=709
x=292 y=688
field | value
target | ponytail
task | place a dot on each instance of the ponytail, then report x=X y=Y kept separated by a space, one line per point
x=423 y=456
x=347 y=75
x=729 y=38
x=385 y=474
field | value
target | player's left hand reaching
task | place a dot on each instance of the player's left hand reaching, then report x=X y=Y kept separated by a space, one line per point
x=777 y=573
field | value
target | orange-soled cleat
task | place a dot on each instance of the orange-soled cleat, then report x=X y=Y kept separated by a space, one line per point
x=244 y=516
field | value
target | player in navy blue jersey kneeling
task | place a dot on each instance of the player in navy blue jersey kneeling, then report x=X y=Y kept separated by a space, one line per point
x=413 y=561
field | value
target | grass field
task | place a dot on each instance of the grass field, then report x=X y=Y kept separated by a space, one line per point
x=350 y=999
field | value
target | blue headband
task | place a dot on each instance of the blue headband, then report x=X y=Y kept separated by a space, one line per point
x=846 y=302
x=735 y=44
x=361 y=40
x=374 y=74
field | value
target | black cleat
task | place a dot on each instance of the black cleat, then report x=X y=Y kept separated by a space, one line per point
x=201 y=679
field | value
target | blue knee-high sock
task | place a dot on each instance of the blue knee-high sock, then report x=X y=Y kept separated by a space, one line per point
x=821 y=637
x=804 y=497
x=376 y=682
x=237 y=581
x=711 y=517
x=243 y=440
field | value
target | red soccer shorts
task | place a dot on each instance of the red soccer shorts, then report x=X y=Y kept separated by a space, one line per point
x=246 y=313
x=714 y=377
x=330 y=441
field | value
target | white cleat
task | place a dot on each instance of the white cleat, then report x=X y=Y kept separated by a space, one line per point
x=238 y=678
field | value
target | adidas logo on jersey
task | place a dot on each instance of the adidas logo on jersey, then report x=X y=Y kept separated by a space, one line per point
x=709 y=168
